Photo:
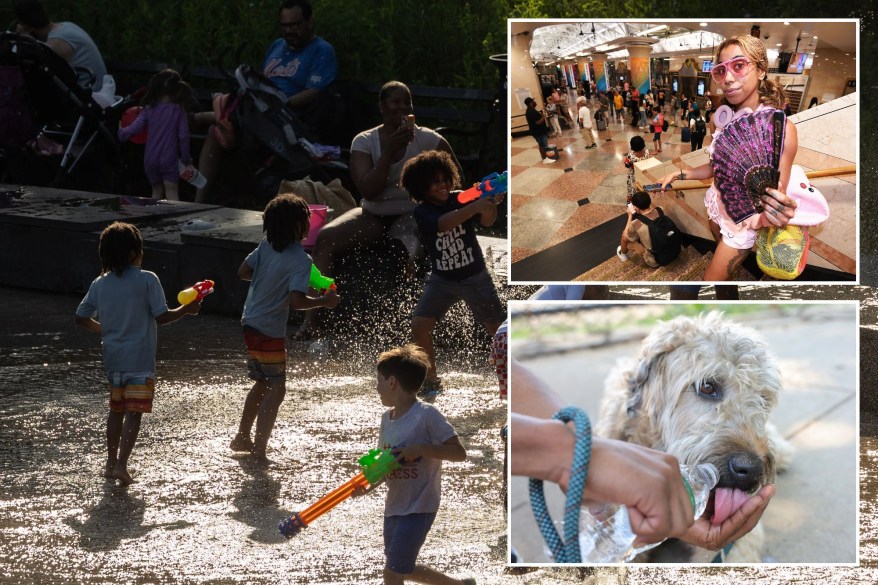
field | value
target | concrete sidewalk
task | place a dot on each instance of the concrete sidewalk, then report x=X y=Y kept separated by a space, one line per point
x=813 y=517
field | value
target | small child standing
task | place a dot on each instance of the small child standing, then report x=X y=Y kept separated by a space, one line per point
x=637 y=153
x=585 y=123
x=279 y=271
x=167 y=141
x=448 y=231
x=421 y=438
x=128 y=302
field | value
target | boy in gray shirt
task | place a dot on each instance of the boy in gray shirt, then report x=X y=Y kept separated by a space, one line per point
x=421 y=439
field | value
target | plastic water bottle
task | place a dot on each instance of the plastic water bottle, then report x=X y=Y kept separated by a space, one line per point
x=191 y=175
x=108 y=88
x=605 y=536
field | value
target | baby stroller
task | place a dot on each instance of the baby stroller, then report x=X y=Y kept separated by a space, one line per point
x=267 y=135
x=66 y=112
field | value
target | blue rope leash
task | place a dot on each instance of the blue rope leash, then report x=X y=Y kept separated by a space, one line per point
x=566 y=551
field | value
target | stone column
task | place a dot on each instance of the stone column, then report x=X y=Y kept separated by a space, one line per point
x=638 y=63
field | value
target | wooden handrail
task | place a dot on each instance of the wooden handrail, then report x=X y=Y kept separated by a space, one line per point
x=831 y=172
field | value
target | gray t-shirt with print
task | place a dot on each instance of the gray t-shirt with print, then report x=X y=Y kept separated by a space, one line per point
x=416 y=488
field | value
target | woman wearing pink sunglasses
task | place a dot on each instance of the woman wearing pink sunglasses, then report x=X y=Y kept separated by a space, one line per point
x=742 y=74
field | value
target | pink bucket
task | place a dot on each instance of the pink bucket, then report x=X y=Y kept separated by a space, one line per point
x=318 y=220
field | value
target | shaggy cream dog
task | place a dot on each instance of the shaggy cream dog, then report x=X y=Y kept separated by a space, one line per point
x=702 y=389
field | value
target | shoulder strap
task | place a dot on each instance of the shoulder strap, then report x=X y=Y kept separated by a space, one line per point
x=660 y=212
x=642 y=218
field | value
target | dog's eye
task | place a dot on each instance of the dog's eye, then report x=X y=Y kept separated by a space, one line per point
x=708 y=389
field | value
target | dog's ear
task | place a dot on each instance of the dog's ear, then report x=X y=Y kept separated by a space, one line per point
x=663 y=339
x=636 y=378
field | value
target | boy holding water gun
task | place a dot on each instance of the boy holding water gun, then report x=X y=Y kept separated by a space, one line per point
x=421 y=438
x=279 y=272
x=458 y=268
x=128 y=303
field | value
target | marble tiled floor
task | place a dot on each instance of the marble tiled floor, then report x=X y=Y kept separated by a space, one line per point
x=550 y=203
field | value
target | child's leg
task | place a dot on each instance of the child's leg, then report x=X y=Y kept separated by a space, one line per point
x=267 y=416
x=114 y=433
x=254 y=399
x=158 y=191
x=171 y=191
x=266 y=361
x=130 y=430
x=422 y=335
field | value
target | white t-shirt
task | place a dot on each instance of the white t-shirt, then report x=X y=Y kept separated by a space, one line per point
x=585 y=117
x=393 y=200
x=416 y=488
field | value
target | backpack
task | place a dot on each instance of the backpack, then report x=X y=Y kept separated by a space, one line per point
x=665 y=126
x=664 y=236
x=700 y=126
x=16 y=124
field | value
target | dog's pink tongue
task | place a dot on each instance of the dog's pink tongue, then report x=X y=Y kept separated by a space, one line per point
x=726 y=502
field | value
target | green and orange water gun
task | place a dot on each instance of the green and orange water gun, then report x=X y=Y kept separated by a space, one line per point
x=320 y=282
x=374 y=465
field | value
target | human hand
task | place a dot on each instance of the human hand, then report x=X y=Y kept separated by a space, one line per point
x=483 y=204
x=648 y=482
x=359 y=491
x=778 y=208
x=705 y=535
x=331 y=299
x=192 y=308
x=668 y=179
x=400 y=138
x=408 y=453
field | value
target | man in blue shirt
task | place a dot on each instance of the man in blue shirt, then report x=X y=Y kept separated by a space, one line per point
x=300 y=63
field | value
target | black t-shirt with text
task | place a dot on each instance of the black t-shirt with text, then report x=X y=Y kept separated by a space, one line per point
x=454 y=254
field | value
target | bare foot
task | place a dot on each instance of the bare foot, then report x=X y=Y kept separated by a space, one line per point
x=260 y=458
x=123 y=476
x=241 y=443
x=108 y=470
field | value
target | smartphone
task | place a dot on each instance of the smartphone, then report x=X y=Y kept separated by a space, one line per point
x=656 y=187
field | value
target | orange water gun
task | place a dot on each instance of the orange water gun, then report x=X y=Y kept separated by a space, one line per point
x=375 y=465
x=493 y=184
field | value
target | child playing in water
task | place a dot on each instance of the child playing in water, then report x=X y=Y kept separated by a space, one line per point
x=742 y=73
x=279 y=271
x=448 y=230
x=128 y=302
x=167 y=141
x=421 y=439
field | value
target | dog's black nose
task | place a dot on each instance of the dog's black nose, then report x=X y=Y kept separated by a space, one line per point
x=745 y=469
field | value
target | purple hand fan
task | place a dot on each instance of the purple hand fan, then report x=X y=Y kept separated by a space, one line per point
x=746 y=161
